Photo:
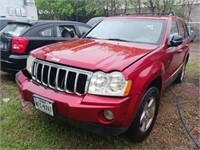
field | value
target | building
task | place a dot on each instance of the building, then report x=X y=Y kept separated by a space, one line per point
x=18 y=9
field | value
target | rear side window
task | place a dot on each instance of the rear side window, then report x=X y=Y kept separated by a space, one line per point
x=182 y=30
x=48 y=32
x=186 y=29
x=15 y=29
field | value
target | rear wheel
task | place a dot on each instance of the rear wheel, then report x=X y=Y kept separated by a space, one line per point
x=181 y=75
x=146 y=116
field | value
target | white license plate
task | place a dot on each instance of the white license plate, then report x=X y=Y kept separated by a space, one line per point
x=44 y=105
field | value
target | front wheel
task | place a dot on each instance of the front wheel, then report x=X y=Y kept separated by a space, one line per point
x=146 y=116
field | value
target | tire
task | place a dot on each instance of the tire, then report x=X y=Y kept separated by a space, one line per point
x=181 y=75
x=146 y=116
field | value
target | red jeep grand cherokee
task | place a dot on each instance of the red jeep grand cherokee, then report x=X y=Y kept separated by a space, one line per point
x=111 y=80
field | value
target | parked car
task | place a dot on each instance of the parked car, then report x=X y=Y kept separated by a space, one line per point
x=192 y=33
x=17 y=39
x=5 y=20
x=111 y=80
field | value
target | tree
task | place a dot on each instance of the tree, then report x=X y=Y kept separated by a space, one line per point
x=136 y=4
x=83 y=10
x=79 y=10
x=54 y=9
x=187 y=7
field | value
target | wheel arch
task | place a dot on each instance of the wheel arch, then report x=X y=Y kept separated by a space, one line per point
x=153 y=78
x=150 y=76
x=157 y=82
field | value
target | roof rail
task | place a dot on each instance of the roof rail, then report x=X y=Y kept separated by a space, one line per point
x=171 y=13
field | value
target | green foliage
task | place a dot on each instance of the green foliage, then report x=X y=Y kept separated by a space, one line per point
x=79 y=10
x=54 y=9
x=83 y=10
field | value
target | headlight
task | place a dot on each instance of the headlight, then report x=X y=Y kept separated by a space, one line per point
x=29 y=63
x=111 y=84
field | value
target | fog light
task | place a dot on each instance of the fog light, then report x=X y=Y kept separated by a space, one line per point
x=108 y=114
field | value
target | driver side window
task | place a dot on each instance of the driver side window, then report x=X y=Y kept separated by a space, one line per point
x=174 y=28
x=173 y=31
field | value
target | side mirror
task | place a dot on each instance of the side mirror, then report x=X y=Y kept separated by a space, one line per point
x=176 y=41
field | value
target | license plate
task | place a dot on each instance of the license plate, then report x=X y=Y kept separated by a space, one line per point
x=44 y=105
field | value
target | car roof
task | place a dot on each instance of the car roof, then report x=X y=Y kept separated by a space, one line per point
x=43 y=22
x=6 y=20
x=59 y=21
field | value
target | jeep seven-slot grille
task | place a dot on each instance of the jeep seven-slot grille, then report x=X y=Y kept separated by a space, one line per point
x=61 y=78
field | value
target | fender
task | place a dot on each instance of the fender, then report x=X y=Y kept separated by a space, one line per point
x=142 y=79
x=146 y=76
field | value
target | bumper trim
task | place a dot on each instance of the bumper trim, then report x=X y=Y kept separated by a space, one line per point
x=13 y=63
x=18 y=57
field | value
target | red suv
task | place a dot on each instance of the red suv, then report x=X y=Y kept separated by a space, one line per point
x=111 y=80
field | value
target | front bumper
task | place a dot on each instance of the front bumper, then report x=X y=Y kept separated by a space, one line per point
x=13 y=63
x=85 y=111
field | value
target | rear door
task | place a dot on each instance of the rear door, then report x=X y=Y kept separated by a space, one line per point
x=39 y=36
x=184 y=47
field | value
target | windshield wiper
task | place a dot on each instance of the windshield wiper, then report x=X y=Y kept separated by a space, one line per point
x=113 y=39
x=116 y=39
x=91 y=37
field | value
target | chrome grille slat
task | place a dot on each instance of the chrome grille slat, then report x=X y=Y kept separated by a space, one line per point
x=35 y=70
x=65 y=82
x=87 y=85
x=42 y=73
x=75 y=83
x=48 y=77
x=61 y=78
x=56 y=79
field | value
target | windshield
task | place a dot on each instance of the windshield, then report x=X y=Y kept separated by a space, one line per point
x=14 y=29
x=131 y=30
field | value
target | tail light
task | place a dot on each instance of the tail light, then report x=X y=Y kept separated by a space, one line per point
x=19 y=45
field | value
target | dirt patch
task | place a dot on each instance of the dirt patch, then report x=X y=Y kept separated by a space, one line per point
x=175 y=134
x=196 y=82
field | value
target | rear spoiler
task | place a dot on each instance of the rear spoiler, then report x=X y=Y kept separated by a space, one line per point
x=30 y=23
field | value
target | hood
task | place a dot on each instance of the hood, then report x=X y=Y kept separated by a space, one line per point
x=94 y=54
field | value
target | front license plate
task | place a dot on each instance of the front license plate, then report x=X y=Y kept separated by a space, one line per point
x=44 y=105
